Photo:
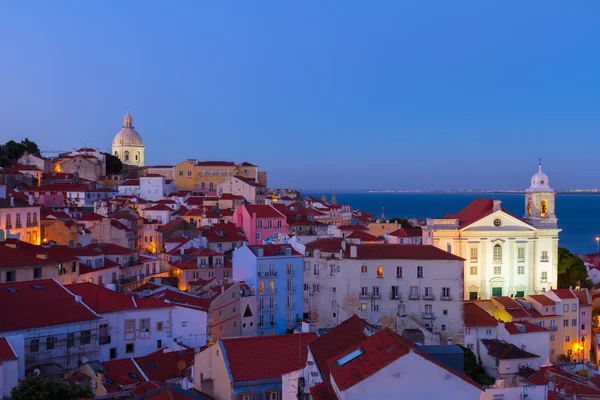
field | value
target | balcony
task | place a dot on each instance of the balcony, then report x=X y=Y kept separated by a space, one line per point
x=428 y=315
x=272 y=273
x=428 y=296
x=364 y=296
x=395 y=296
x=553 y=328
x=271 y=323
x=274 y=290
x=446 y=298
x=104 y=339
x=376 y=296
x=263 y=274
x=413 y=296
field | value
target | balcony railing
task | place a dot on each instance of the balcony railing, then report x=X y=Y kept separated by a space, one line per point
x=428 y=315
x=395 y=296
x=272 y=273
x=553 y=328
x=413 y=296
x=271 y=323
x=446 y=298
x=376 y=296
x=364 y=296
x=429 y=296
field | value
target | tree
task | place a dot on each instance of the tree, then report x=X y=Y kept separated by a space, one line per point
x=35 y=387
x=470 y=363
x=30 y=147
x=12 y=150
x=571 y=271
x=113 y=164
x=404 y=223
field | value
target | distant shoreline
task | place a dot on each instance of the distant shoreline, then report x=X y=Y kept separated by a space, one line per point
x=493 y=192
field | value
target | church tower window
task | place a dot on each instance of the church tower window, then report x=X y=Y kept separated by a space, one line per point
x=529 y=207
x=497 y=253
x=544 y=208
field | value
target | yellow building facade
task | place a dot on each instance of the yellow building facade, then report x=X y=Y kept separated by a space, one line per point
x=206 y=175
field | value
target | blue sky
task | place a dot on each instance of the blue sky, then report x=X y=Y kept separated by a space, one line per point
x=321 y=94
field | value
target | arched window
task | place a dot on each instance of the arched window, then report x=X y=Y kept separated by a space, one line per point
x=212 y=187
x=529 y=207
x=137 y=156
x=449 y=248
x=497 y=253
x=544 y=208
x=116 y=154
x=126 y=156
x=203 y=185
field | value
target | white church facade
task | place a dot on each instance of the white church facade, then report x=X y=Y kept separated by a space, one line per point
x=504 y=255
x=128 y=145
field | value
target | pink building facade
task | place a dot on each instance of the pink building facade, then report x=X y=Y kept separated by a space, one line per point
x=261 y=223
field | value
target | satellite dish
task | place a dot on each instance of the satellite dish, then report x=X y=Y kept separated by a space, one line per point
x=37 y=372
x=84 y=360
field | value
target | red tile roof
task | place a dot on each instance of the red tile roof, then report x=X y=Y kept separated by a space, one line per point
x=476 y=210
x=109 y=249
x=130 y=182
x=161 y=366
x=543 y=299
x=103 y=300
x=6 y=351
x=400 y=252
x=184 y=299
x=564 y=293
x=323 y=391
x=501 y=350
x=582 y=296
x=475 y=316
x=347 y=334
x=273 y=250
x=159 y=207
x=407 y=232
x=561 y=380
x=266 y=357
x=514 y=328
x=120 y=372
x=328 y=245
x=29 y=308
x=507 y=302
x=263 y=211
x=224 y=232
x=364 y=237
x=378 y=351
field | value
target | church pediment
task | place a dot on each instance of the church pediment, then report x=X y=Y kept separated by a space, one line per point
x=499 y=221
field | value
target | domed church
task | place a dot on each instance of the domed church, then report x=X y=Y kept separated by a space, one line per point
x=128 y=145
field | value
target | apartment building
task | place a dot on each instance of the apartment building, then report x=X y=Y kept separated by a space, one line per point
x=399 y=286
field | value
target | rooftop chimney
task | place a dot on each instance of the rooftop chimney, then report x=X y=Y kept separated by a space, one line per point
x=497 y=205
x=30 y=199
x=12 y=201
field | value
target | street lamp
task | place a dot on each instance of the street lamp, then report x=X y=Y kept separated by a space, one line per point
x=597 y=244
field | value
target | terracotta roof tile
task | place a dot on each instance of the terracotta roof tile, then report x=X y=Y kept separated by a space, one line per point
x=161 y=366
x=103 y=300
x=407 y=232
x=121 y=372
x=6 y=351
x=502 y=350
x=273 y=250
x=263 y=211
x=323 y=391
x=400 y=252
x=24 y=306
x=475 y=316
x=364 y=237
x=522 y=327
x=266 y=357
x=564 y=293
x=543 y=299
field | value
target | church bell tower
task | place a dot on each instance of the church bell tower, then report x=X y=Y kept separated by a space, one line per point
x=540 y=202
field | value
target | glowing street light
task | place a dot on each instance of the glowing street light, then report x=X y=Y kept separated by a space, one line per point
x=597 y=244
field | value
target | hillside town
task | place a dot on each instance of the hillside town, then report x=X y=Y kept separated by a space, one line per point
x=200 y=281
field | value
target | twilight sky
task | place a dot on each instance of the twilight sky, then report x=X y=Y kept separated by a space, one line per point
x=321 y=94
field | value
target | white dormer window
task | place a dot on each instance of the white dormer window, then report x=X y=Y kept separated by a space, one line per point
x=260 y=253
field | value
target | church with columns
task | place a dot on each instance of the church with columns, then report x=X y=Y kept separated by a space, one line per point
x=505 y=254
x=128 y=145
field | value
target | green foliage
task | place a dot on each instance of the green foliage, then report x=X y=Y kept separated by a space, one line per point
x=474 y=369
x=12 y=150
x=402 y=221
x=571 y=271
x=35 y=387
x=113 y=164
x=563 y=358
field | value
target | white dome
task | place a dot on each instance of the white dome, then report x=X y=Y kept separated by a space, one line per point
x=540 y=181
x=128 y=136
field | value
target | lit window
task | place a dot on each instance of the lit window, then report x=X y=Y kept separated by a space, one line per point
x=364 y=269
x=380 y=271
x=544 y=208
x=398 y=272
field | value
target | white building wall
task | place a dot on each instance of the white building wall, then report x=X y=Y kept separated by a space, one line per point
x=189 y=326
x=152 y=188
x=474 y=335
x=237 y=187
x=331 y=298
x=289 y=385
x=535 y=342
x=415 y=378
x=9 y=377
x=516 y=393
x=129 y=190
